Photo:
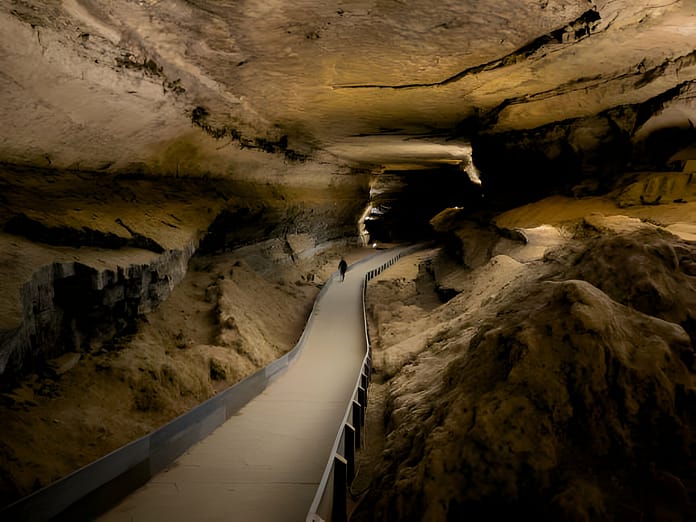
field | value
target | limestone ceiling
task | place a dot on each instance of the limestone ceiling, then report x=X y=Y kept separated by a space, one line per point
x=116 y=84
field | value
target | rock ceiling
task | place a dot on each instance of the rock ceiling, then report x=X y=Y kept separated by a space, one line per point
x=173 y=85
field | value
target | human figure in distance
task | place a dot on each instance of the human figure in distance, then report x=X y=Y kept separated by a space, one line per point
x=342 y=267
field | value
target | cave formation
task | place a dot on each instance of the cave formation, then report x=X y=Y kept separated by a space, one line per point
x=141 y=138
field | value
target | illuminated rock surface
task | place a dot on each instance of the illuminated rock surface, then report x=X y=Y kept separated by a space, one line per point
x=149 y=145
x=536 y=392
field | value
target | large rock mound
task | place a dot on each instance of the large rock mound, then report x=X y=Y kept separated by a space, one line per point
x=565 y=405
x=647 y=270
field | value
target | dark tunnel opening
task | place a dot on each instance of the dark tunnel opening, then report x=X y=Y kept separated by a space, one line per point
x=402 y=202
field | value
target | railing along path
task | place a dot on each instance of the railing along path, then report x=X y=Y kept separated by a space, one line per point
x=330 y=502
x=87 y=492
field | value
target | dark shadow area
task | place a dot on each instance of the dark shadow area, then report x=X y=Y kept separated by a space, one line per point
x=404 y=202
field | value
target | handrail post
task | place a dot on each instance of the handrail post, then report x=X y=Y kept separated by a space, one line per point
x=356 y=423
x=339 y=509
x=362 y=399
x=365 y=383
x=349 y=443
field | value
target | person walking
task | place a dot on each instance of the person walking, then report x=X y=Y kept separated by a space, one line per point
x=342 y=267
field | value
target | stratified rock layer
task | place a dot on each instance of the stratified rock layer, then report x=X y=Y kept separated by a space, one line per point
x=84 y=255
x=181 y=87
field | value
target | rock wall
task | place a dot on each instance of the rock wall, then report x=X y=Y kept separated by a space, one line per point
x=66 y=306
x=85 y=255
x=586 y=155
x=528 y=165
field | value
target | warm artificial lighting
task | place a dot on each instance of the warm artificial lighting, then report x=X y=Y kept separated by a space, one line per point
x=363 y=234
x=399 y=150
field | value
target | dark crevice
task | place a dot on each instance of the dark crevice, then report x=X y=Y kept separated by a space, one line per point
x=23 y=225
x=649 y=108
x=69 y=306
x=545 y=151
x=199 y=117
x=236 y=227
x=579 y=28
x=141 y=241
x=553 y=158
x=645 y=77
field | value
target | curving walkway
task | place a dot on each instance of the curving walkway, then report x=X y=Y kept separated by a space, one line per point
x=266 y=462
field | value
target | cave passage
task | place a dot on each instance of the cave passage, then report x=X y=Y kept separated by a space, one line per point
x=278 y=445
x=402 y=202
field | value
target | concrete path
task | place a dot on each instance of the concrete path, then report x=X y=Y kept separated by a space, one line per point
x=265 y=463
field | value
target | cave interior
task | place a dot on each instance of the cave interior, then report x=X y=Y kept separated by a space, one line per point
x=144 y=139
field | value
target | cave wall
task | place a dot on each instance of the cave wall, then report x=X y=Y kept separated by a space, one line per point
x=523 y=166
x=252 y=105
x=84 y=255
x=587 y=155
x=67 y=306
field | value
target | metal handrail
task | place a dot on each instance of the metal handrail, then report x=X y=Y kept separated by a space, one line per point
x=329 y=503
x=103 y=482
x=108 y=479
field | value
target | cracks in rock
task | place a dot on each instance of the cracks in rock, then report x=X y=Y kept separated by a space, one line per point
x=141 y=241
x=128 y=60
x=33 y=229
x=150 y=68
x=41 y=44
x=202 y=6
x=577 y=30
x=649 y=108
x=23 y=225
x=580 y=84
x=199 y=116
x=650 y=75
x=167 y=223
x=644 y=78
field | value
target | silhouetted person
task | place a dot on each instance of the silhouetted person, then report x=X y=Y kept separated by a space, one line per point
x=342 y=267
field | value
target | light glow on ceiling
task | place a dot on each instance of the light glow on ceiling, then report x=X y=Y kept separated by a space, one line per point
x=399 y=151
x=407 y=153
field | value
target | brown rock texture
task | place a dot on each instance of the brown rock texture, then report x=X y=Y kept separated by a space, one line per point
x=553 y=398
x=181 y=87
x=143 y=142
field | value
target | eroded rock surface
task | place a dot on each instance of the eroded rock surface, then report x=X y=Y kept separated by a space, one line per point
x=85 y=255
x=179 y=87
x=561 y=396
x=137 y=133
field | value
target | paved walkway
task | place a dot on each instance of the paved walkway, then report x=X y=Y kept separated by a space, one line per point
x=265 y=463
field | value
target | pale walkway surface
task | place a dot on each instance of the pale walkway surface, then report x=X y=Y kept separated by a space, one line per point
x=265 y=463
